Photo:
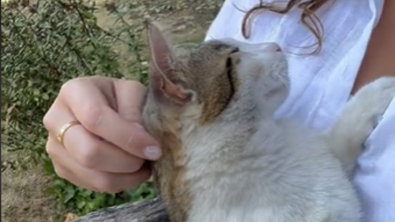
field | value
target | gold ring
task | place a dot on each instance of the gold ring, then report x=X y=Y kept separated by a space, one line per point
x=64 y=129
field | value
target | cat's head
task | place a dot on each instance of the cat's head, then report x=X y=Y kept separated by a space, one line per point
x=210 y=79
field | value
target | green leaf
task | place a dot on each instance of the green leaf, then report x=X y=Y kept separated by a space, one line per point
x=69 y=194
x=81 y=204
x=45 y=96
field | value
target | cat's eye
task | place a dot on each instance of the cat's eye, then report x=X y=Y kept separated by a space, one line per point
x=234 y=50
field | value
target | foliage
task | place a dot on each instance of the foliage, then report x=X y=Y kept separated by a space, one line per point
x=43 y=45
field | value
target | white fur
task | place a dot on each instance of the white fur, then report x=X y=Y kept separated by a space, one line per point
x=359 y=118
x=247 y=167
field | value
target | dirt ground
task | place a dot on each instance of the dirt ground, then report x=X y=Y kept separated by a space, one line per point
x=23 y=197
x=23 y=191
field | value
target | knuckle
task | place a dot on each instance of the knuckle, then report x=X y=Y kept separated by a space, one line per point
x=50 y=117
x=136 y=84
x=73 y=86
x=47 y=120
x=60 y=172
x=50 y=149
x=69 y=86
x=106 y=184
x=89 y=155
x=91 y=116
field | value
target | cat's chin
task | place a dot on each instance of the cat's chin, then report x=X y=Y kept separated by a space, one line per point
x=266 y=62
x=243 y=46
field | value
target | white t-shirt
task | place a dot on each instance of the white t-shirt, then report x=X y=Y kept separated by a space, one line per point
x=321 y=83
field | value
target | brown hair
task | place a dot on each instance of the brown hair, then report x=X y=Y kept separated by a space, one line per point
x=308 y=17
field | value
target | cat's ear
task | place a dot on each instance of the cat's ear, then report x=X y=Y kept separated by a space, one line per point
x=162 y=77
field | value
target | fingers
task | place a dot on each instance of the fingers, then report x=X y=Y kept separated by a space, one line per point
x=69 y=176
x=129 y=95
x=88 y=149
x=89 y=178
x=99 y=118
x=97 y=154
x=106 y=152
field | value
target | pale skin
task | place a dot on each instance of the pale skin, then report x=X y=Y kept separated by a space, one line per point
x=107 y=151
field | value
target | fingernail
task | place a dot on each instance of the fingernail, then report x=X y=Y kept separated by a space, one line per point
x=152 y=152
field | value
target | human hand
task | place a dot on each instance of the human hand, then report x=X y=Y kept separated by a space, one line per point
x=107 y=149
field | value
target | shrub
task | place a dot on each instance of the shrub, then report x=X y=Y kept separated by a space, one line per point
x=42 y=46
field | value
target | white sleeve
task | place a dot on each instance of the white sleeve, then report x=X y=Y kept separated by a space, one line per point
x=375 y=172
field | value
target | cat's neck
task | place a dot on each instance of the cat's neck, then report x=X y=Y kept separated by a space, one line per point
x=227 y=136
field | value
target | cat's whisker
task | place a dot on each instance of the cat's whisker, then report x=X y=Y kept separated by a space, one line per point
x=283 y=80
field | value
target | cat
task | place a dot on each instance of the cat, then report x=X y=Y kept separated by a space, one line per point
x=225 y=158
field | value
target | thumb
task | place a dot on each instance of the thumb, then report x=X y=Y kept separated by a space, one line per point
x=130 y=96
